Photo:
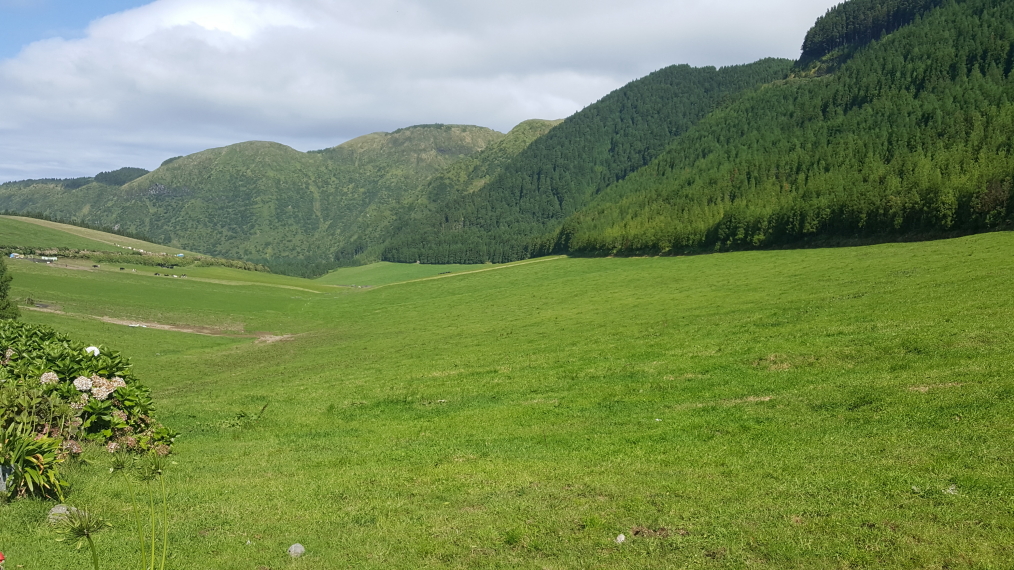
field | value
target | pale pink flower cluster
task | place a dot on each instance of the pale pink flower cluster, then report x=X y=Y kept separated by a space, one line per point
x=112 y=446
x=49 y=378
x=84 y=398
x=102 y=388
x=72 y=447
x=83 y=383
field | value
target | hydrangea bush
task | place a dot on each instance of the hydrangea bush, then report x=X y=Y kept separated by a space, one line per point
x=55 y=387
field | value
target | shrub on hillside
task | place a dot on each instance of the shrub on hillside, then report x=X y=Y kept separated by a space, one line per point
x=8 y=308
x=53 y=387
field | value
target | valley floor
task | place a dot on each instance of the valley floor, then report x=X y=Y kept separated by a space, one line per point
x=835 y=408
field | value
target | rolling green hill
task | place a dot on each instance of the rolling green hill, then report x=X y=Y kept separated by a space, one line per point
x=911 y=136
x=30 y=232
x=265 y=202
x=81 y=247
x=895 y=123
x=558 y=174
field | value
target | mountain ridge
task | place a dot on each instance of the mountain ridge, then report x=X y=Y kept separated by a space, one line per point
x=895 y=121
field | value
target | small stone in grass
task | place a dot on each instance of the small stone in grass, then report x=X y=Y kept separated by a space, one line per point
x=296 y=550
x=621 y=539
x=59 y=514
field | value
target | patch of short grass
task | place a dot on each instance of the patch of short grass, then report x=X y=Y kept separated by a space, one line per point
x=31 y=232
x=844 y=408
x=385 y=273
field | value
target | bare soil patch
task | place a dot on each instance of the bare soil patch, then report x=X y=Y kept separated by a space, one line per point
x=262 y=337
x=661 y=532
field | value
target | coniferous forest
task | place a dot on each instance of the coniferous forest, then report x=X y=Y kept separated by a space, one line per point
x=896 y=122
x=910 y=136
x=559 y=173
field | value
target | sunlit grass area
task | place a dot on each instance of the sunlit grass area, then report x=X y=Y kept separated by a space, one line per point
x=384 y=273
x=836 y=408
x=16 y=230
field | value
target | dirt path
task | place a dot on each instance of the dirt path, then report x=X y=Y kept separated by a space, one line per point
x=262 y=337
x=456 y=274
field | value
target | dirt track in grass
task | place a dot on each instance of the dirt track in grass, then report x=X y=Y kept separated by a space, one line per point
x=262 y=337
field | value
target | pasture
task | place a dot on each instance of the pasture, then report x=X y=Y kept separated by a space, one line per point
x=828 y=408
x=385 y=273
x=31 y=232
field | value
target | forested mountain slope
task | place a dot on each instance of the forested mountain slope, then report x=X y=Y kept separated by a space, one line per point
x=263 y=201
x=561 y=172
x=465 y=176
x=913 y=134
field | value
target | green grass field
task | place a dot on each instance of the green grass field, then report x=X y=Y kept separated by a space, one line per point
x=831 y=408
x=15 y=230
x=385 y=273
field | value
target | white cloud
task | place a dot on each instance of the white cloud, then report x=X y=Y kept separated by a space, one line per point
x=177 y=76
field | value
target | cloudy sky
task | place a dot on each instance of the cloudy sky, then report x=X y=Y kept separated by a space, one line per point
x=92 y=85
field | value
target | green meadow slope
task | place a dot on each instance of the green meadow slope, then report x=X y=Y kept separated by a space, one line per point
x=35 y=233
x=824 y=408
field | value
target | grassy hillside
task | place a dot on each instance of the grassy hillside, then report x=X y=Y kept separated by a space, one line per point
x=788 y=409
x=31 y=232
x=910 y=136
x=262 y=201
x=559 y=173
x=385 y=273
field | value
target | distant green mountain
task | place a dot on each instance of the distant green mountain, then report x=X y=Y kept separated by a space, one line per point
x=896 y=121
x=911 y=136
x=516 y=211
x=265 y=202
x=464 y=177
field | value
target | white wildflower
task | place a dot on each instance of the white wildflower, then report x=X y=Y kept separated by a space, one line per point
x=83 y=383
x=49 y=378
x=101 y=388
x=92 y=350
x=80 y=403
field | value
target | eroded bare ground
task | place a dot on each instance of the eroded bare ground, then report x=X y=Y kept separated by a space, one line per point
x=262 y=337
